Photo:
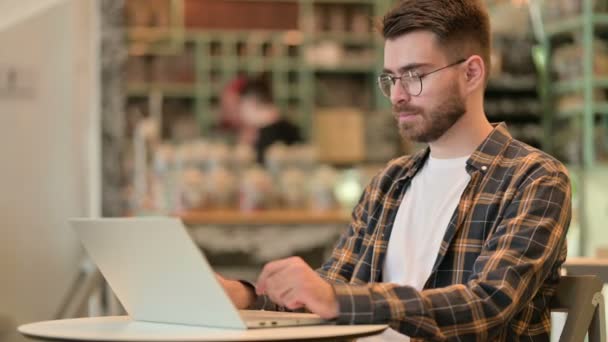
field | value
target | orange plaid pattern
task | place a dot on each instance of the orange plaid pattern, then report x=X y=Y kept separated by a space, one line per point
x=498 y=265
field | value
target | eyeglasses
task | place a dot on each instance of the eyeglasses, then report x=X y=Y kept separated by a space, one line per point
x=411 y=82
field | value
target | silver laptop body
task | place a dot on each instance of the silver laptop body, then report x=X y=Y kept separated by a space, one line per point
x=160 y=275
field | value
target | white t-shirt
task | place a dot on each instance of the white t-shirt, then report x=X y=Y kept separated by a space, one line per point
x=420 y=225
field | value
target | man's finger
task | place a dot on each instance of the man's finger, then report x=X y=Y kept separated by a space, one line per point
x=292 y=301
x=270 y=269
x=278 y=283
x=285 y=293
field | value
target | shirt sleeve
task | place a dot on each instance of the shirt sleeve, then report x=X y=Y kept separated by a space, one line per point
x=513 y=265
x=339 y=267
x=346 y=253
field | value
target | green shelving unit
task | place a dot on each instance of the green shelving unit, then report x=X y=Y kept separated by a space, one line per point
x=221 y=55
x=583 y=27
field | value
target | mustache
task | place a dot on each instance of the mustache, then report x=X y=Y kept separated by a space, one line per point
x=400 y=108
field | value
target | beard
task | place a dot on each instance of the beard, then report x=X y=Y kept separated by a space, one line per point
x=430 y=126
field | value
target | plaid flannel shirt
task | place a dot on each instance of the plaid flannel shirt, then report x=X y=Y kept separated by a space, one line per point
x=498 y=265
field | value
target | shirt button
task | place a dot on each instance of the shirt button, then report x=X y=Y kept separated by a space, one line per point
x=484 y=168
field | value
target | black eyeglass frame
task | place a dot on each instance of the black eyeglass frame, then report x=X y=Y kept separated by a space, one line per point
x=412 y=75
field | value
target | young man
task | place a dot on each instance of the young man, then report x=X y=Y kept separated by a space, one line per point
x=462 y=241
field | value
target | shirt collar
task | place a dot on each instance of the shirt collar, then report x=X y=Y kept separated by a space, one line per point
x=481 y=159
x=490 y=149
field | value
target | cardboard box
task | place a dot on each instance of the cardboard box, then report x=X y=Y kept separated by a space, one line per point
x=339 y=135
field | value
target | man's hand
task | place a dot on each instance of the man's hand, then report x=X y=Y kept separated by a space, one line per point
x=242 y=297
x=293 y=284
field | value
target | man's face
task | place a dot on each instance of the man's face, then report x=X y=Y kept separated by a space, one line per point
x=426 y=117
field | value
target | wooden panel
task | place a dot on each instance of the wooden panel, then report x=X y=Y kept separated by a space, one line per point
x=241 y=15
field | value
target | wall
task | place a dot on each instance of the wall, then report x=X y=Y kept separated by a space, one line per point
x=49 y=153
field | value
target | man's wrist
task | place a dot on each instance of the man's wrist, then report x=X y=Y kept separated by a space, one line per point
x=246 y=291
x=335 y=303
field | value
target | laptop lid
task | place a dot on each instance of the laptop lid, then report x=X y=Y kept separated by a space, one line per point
x=156 y=271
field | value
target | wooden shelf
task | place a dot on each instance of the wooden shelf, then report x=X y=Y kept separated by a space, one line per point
x=345 y=37
x=510 y=83
x=266 y=217
x=599 y=108
x=167 y=89
x=564 y=87
x=345 y=68
x=572 y=24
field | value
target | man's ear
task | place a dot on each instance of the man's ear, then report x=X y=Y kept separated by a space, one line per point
x=475 y=73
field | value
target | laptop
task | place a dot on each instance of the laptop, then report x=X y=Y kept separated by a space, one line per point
x=160 y=275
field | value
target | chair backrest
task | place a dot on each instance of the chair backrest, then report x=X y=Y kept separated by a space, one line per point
x=581 y=297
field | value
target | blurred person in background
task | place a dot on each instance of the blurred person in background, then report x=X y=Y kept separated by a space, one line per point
x=231 y=125
x=258 y=110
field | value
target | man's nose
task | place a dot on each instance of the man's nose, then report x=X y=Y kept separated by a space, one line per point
x=398 y=94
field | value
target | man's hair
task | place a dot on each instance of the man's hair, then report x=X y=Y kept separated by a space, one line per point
x=259 y=89
x=462 y=27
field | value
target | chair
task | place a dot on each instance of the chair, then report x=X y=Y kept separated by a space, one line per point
x=581 y=297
